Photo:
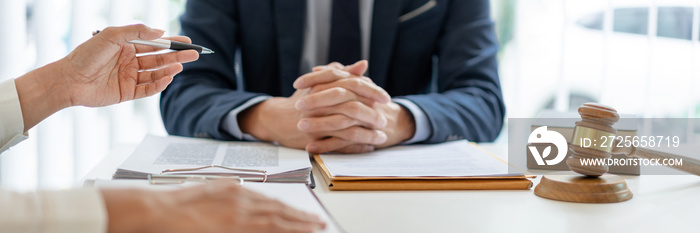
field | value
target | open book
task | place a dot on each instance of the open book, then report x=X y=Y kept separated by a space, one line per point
x=192 y=156
x=450 y=165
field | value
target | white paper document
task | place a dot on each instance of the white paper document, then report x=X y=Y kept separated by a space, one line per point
x=457 y=158
x=156 y=154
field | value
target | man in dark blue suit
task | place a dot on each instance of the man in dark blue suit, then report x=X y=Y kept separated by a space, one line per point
x=431 y=76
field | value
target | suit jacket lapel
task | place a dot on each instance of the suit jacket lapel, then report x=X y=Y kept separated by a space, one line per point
x=385 y=21
x=289 y=21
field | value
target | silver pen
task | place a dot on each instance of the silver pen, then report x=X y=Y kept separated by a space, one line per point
x=167 y=44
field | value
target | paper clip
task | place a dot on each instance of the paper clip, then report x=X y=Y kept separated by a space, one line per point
x=263 y=172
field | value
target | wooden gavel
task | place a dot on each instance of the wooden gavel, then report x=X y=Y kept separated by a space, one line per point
x=596 y=122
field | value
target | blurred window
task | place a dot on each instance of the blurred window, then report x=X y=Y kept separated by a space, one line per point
x=592 y=21
x=631 y=20
x=675 y=22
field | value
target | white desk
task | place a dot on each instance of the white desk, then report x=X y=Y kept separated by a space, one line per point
x=660 y=204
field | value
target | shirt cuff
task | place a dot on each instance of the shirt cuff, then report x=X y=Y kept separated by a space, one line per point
x=423 y=127
x=230 y=123
x=11 y=122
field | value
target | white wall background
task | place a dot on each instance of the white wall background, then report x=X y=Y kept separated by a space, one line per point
x=553 y=59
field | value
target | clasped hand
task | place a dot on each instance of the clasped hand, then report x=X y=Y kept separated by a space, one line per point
x=335 y=109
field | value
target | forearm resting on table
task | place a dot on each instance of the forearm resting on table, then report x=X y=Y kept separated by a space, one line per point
x=264 y=121
x=128 y=210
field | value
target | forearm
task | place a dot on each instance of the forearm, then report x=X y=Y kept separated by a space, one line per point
x=251 y=120
x=128 y=210
x=41 y=93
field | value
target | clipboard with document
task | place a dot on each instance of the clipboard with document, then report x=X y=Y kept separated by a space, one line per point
x=457 y=165
x=250 y=161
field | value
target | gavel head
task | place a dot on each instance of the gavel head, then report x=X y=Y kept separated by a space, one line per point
x=596 y=123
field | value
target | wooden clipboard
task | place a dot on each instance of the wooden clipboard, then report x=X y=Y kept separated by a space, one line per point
x=423 y=183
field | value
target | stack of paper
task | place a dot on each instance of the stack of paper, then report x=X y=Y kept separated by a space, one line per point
x=450 y=165
x=157 y=154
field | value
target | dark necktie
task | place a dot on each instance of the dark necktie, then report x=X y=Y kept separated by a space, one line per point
x=345 y=45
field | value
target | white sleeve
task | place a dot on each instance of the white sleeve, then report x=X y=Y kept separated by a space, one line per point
x=76 y=210
x=64 y=211
x=11 y=122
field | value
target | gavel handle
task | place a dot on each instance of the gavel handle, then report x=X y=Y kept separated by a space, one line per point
x=690 y=165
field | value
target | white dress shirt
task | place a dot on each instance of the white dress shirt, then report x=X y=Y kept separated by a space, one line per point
x=69 y=211
x=315 y=52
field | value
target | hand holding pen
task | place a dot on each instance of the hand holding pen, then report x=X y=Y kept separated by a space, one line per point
x=103 y=70
x=168 y=44
x=106 y=69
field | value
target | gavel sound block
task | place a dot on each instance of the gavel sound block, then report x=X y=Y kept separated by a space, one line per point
x=595 y=186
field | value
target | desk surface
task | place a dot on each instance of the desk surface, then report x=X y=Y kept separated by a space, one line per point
x=661 y=203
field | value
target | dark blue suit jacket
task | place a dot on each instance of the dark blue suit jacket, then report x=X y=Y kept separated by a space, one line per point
x=453 y=41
